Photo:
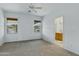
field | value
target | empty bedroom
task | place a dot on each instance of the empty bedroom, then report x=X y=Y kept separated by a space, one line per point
x=39 y=29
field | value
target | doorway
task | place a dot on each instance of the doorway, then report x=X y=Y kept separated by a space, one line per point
x=59 y=31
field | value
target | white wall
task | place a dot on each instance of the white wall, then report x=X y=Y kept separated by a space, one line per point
x=1 y=27
x=25 y=27
x=48 y=29
x=71 y=25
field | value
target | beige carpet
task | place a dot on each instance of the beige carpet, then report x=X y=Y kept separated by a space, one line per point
x=33 y=48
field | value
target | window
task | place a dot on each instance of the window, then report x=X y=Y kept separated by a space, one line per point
x=37 y=25
x=11 y=25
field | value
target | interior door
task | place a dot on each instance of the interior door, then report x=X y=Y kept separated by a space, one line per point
x=59 y=28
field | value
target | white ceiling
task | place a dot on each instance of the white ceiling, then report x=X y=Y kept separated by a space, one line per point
x=23 y=8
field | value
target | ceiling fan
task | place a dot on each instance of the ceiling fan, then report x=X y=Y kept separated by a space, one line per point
x=34 y=8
